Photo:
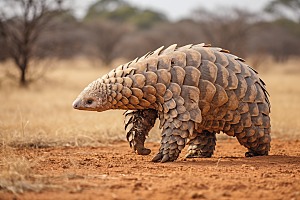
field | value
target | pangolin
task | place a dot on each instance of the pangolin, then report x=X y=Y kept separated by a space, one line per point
x=196 y=91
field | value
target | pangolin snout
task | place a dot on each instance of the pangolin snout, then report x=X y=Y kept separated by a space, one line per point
x=77 y=104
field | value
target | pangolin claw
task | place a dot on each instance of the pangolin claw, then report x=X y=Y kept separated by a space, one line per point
x=252 y=154
x=189 y=155
x=165 y=158
x=157 y=157
x=249 y=154
x=143 y=151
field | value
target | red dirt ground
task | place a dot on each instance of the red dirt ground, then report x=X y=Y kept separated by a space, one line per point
x=115 y=172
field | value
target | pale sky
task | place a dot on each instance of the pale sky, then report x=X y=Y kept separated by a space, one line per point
x=177 y=9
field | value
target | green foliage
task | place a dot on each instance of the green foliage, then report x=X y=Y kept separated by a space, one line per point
x=289 y=25
x=121 y=12
x=145 y=19
x=292 y=4
x=287 y=13
x=284 y=8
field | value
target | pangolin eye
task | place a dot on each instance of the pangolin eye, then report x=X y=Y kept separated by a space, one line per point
x=89 y=102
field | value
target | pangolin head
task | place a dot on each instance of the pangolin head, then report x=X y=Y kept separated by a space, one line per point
x=92 y=98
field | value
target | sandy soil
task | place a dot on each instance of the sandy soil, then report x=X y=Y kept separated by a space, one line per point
x=114 y=172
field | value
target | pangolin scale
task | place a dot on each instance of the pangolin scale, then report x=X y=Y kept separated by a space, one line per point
x=196 y=91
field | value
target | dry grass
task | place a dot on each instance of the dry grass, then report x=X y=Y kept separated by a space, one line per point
x=283 y=81
x=16 y=173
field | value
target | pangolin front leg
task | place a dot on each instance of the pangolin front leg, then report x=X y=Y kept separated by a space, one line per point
x=202 y=146
x=138 y=123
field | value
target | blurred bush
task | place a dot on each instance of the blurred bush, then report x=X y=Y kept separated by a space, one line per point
x=121 y=12
x=114 y=29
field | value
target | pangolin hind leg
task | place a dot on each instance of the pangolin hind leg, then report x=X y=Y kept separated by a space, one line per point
x=138 y=123
x=202 y=146
x=172 y=142
x=257 y=137
x=258 y=144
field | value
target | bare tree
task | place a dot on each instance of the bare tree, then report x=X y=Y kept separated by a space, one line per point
x=21 y=30
x=227 y=28
x=105 y=37
x=141 y=41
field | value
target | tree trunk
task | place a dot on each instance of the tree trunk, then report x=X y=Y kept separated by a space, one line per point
x=23 y=67
x=23 y=82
